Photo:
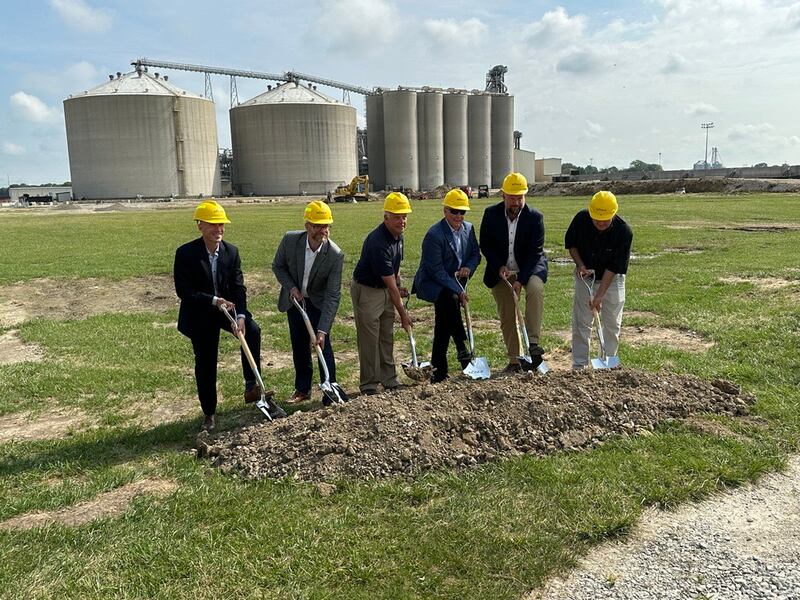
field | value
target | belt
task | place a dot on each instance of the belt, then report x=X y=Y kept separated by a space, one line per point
x=369 y=285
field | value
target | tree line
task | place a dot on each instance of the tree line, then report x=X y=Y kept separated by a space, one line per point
x=636 y=166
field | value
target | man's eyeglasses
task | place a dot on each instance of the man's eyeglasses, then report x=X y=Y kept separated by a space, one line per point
x=455 y=211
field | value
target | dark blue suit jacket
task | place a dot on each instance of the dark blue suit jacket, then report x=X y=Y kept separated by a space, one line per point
x=439 y=261
x=528 y=244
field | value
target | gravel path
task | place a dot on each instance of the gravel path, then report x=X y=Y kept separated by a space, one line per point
x=741 y=544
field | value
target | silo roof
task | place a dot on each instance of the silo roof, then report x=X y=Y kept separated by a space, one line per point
x=138 y=84
x=291 y=93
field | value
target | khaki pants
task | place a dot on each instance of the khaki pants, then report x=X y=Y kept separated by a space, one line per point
x=534 y=304
x=374 y=316
x=582 y=316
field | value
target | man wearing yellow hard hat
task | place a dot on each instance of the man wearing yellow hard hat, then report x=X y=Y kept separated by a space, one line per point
x=208 y=277
x=599 y=241
x=308 y=265
x=512 y=240
x=449 y=251
x=377 y=292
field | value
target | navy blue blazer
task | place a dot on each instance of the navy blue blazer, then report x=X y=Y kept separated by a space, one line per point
x=439 y=261
x=195 y=288
x=528 y=244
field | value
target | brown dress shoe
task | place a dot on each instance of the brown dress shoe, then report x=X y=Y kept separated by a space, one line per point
x=512 y=368
x=209 y=424
x=298 y=397
x=254 y=394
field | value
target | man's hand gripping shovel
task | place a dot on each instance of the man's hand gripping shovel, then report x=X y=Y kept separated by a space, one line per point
x=478 y=367
x=331 y=391
x=603 y=361
x=264 y=404
x=525 y=360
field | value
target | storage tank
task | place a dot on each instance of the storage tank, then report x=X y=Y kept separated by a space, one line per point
x=479 y=139
x=502 y=138
x=430 y=138
x=400 y=137
x=139 y=135
x=292 y=140
x=375 y=142
x=455 y=139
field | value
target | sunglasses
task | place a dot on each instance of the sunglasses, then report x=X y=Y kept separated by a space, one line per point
x=455 y=211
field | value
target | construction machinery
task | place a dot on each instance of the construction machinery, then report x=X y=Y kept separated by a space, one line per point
x=483 y=191
x=357 y=189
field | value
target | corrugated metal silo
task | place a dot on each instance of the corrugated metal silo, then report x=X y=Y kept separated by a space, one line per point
x=502 y=138
x=139 y=135
x=479 y=139
x=455 y=139
x=375 y=142
x=430 y=136
x=400 y=136
x=292 y=139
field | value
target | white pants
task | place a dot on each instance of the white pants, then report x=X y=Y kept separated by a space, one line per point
x=582 y=316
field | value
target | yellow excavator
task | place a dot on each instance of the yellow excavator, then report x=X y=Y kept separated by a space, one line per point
x=356 y=190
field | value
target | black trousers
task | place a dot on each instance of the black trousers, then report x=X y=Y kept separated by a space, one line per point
x=301 y=347
x=447 y=324
x=205 y=344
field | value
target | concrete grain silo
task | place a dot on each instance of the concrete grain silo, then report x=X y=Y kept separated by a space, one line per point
x=292 y=139
x=479 y=139
x=455 y=139
x=430 y=137
x=139 y=135
x=502 y=138
x=375 y=142
x=400 y=137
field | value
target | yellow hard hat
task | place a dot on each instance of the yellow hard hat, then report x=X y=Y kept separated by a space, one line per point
x=515 y=184
x=456 y=198
x=397 y=203
x=318 y=213
x=210 y=211
x=603 y=206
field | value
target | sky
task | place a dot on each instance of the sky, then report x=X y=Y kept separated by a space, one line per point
x=601 y=83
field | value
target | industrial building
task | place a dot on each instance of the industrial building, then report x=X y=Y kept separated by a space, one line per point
x=137 y=135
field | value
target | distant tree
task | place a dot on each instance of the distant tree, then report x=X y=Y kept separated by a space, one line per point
x=66 y=183
x=760 y=165
x=590 y=170
x=610 y=170
x=566 y=168
x=641 y=166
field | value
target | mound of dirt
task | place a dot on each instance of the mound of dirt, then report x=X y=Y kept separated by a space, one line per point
x=689 y=185
x=462 y=423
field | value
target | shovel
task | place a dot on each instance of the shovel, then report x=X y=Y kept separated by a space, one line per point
x=478 y=367
x=418 y=371
x=525 y=360
x=265 y=405
x=603 y=361
x=332 y=392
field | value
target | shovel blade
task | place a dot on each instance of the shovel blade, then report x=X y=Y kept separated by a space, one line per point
x=421 y=372
x=608 y=363
x=543 y=368
x=332 y=394
x=478 y=368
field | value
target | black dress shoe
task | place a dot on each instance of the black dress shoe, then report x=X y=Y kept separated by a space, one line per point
x=209 y=423
x=513 y=368
x=537 y=355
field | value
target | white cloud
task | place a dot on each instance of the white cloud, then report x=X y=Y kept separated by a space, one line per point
x=12 y=149
x=699 y=109
x=579 y=62
x=32 y=109
x=594 y=128
x=79 y=15
x=449 y=32
x=555 y=26
x=675 y=63
x=353 y=26
x=748 y=132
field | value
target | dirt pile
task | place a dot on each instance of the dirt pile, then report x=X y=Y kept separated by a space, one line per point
x=462 y=423
x=690 y=185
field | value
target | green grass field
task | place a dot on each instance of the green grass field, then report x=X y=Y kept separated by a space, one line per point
x=496 y=531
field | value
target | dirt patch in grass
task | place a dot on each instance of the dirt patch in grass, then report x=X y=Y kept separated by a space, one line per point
x=763 y=283
x=762 y=227
x=715 y=428
x=105 y=505
x=62 y=299
x=460 y=424
x=56 y=423
x=644 y=335
x=14 y=350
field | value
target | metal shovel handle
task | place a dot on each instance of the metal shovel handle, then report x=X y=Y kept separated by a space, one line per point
x=313 y=337
x=596 y=314
x=467 y=316
x=522 y=331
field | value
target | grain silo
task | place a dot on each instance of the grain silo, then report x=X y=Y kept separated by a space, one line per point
x=455 y=139
x=479 y=139
x=291 y=140
x=375 y=142
x=139 y=135
x=400 y=137
x=430 y=137
x=502 y=137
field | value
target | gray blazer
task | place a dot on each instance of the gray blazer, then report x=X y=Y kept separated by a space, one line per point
x=324 y=281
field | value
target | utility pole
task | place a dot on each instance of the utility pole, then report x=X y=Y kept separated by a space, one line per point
x=659 y=159
x=706 y=126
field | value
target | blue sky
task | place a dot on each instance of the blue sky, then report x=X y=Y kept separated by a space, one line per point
x=606 y=82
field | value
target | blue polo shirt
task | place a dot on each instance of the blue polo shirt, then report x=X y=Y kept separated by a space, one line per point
x=381 y=255
x=600 y=250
